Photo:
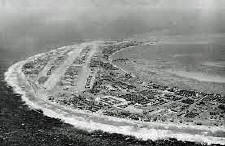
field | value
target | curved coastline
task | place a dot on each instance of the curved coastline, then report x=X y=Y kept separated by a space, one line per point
x=88 y=121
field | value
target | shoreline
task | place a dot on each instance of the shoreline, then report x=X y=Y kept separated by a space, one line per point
x=198 y=81
x=138 y=129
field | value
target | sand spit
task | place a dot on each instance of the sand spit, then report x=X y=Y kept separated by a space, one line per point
x=88 y=121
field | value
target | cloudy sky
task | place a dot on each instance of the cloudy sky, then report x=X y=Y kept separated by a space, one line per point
x=62 y=4
x=39 y=23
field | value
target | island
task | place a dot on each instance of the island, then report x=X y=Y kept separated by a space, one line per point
x=83 y=85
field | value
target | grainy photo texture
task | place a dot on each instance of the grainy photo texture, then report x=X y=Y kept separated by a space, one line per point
x=112 y=72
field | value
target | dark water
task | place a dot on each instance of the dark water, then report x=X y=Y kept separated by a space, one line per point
x=28 y=28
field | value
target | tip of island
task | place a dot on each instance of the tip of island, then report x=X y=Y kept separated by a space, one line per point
x=84 y=85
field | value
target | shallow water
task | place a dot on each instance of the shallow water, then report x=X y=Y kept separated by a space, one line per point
x=201 y=62
x=197 y=64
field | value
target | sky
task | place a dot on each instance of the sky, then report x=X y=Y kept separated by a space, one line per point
x=38 y=23
x=66 y=4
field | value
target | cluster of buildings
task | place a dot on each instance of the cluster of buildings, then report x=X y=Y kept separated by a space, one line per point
x=34 y=66
x=113 y=92
x=59 y=60
x=83 y=56
x=71 y=75
x=158 y=102
x=112 y=48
